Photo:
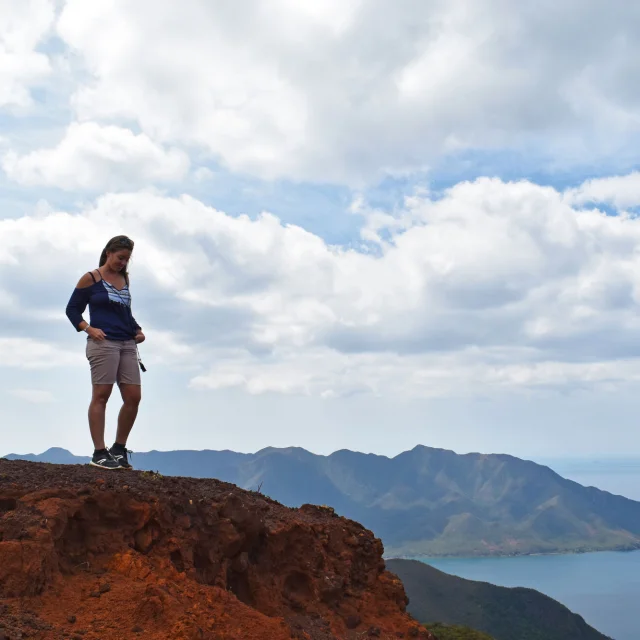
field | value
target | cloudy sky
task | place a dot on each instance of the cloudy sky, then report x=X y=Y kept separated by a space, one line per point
x=358 y=223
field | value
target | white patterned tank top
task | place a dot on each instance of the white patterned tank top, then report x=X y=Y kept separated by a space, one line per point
x=118 y=295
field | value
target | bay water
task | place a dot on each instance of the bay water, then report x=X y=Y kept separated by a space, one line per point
x=603 y=587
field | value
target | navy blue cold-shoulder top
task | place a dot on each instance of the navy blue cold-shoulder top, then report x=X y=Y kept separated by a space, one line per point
x=109 y=309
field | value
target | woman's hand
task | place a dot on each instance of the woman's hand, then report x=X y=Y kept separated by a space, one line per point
x=96 y=334
x=139 y=337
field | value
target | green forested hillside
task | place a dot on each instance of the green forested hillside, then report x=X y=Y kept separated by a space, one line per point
x=504 y=614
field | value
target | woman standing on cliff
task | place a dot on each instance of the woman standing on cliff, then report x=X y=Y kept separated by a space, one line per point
x=112 y=347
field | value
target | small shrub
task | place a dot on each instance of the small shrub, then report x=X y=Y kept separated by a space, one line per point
x=455 y=632
x=151 y=475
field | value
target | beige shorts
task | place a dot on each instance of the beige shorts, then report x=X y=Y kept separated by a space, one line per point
x=113 y=361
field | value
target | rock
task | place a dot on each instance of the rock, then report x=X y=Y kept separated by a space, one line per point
x=189 y=557
x=353 y=621
x=331 y=588
x=240 y=563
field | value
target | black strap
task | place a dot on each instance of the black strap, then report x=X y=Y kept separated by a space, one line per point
x=126 y=277
x=94 y=279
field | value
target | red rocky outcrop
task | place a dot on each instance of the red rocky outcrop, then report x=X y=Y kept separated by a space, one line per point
x=93 y=554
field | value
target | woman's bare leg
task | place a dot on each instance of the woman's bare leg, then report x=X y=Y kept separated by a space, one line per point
x=97 y=411
x=131 y=395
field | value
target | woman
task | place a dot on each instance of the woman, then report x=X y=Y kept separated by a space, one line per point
x=112 y=350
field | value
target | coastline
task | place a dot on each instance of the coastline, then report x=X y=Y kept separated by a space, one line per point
x=473 y=556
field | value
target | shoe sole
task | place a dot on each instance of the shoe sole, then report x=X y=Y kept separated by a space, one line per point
x=127 y=467
x=99 y=466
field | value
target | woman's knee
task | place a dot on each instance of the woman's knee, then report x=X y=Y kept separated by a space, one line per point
x=131 y=394
x=101 y=393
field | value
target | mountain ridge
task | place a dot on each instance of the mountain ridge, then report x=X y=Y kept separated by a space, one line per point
x=424 y=501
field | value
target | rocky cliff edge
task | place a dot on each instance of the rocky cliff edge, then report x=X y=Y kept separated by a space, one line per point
x=92 y=554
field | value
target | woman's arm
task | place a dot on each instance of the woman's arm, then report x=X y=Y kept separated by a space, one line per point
x=139 y=337
x=78 y=303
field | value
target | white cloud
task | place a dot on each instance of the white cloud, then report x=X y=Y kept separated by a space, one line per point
x=171 y=350
x=30 y=354
x=96 y=157
x=24 y=24
x=34 y=396
x=203 y=174
x=356 y=88
x=619 y=191
x=329 y=374
x=489 y=285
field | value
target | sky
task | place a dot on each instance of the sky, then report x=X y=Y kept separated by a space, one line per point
x=358 y=224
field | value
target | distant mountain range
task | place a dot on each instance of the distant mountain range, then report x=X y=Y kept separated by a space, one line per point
x=504 y=614
x=425 y=501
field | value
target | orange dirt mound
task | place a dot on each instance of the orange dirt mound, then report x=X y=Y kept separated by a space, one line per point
x=90 y=554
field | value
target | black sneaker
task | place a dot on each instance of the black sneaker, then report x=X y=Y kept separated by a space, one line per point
x=104 y=460
x=119 y=454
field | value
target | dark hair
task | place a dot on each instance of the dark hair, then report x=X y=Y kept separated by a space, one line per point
x=116 y=243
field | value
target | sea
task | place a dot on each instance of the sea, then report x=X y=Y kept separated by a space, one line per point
x=603 y=587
